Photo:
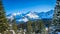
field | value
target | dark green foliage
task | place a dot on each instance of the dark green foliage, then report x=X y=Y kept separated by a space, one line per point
x=29 y=27
x=3 y=20
x=14 y=26
x=36 y=26
x=40 y=25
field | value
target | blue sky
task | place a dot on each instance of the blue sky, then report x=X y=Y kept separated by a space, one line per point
x=11 y=6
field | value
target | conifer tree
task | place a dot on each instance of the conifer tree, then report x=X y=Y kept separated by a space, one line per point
x=29 y=27
x=56 y=18
x=14 y=25
x=3 y=20
x=41 y=26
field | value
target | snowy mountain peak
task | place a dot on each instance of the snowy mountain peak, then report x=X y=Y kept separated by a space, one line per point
x=31 y=15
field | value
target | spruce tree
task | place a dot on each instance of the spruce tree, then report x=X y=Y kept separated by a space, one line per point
x=3 y=20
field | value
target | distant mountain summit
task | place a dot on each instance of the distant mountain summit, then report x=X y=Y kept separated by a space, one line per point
x=31 y=16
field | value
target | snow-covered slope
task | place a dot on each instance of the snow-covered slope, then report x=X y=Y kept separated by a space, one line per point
x=31 y=15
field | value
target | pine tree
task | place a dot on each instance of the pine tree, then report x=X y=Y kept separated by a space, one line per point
x=41 y=26
x=55 y=25
x=35 y=26
x=29 y=27
x=14 y=26
x=3 y=20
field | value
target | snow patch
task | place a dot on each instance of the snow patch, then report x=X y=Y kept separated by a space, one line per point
x=32 y=15
x=24 y=19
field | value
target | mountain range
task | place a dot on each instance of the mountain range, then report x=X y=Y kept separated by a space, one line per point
x=24 y=17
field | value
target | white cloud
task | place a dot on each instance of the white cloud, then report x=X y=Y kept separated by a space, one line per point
x=32 y=15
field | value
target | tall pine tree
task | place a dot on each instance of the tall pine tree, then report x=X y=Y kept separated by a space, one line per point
x=55 y=25
x=3 y=20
